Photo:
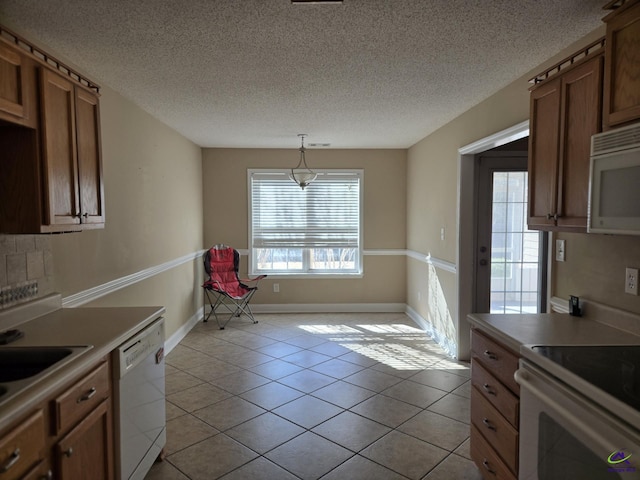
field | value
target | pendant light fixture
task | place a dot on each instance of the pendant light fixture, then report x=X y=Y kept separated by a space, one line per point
x=302 y=174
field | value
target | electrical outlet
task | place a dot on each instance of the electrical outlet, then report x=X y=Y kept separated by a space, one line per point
x=276 y=287
x=442 y=234
x=631 y=281
x=560 y=250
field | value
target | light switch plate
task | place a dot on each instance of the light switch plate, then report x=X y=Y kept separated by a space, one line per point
x=560 y=250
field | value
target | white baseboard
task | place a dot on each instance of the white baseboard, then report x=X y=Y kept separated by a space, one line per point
x=329 y=308
x=448 y=345
x=182 y=332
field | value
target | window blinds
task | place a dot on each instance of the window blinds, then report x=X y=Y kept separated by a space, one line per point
x=326 y=214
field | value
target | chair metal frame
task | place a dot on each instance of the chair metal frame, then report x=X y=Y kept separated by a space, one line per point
x=217 y=295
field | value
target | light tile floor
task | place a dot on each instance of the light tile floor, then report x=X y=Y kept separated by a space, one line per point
x=309 y=396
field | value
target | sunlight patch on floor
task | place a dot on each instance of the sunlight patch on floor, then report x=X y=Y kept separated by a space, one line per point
x=395 y=355
x=399 y=346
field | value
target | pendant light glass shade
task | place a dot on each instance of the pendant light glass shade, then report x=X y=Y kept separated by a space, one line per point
x=301 y=173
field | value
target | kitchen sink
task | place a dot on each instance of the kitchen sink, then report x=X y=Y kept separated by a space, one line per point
x=23 y=367
x=24 y=362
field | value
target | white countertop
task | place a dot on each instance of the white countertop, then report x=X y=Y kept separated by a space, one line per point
x=103 y=328
x=516 y=330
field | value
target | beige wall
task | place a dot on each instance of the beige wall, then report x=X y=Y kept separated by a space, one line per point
x=432 y=197
x=153 y=197
x=595 y=269
x=226 y=221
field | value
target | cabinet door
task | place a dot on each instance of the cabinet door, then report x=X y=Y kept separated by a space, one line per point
x=89 y=158
x=22 y=447
x=59 y=150
x=622 y=83
x=543 y=154
x=13 y=85
x=581 y=118
x=86 y=452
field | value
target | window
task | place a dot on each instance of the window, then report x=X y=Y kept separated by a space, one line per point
x=312 y=231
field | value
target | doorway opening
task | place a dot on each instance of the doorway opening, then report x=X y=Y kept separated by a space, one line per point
x=465 y=261
x=510 y=259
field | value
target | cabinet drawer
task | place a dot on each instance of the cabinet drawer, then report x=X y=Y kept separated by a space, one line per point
x=489 y=463
x=81 y=398
x=40 y=472
x=493 y=426
x=22 y=447
x=501 y=362
x=496 y=393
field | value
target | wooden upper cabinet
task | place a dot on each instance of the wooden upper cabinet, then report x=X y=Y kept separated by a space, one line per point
x=17 y=102
x=71 y=155
x=566 y=111
x=544 y=127
x=89 y=158
x=622 y=77
x=581 y=119
x=60 y=157
x=50 y=148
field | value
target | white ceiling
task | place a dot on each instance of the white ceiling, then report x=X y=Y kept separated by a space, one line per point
x=254 y=73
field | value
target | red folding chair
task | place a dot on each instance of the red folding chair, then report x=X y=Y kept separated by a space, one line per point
x=224 y=288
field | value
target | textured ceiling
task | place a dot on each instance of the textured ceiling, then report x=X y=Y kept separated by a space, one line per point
x=254 y=73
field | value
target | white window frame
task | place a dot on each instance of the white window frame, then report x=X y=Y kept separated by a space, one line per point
x=357 y=273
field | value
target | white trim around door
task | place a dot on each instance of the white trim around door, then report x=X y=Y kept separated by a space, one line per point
x=466 y=223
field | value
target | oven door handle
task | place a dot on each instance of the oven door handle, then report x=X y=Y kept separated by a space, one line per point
x=590 y=434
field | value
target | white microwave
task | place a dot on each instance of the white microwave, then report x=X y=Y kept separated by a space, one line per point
x=614 y=182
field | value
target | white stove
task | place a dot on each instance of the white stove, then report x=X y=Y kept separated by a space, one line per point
x=579 y=412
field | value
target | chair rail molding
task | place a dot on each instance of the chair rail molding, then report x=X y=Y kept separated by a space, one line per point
x=86 y=296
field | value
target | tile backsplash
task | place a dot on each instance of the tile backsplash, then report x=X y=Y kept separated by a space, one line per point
x=26 y=268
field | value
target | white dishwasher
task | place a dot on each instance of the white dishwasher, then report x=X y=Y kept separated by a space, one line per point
x=139 y=402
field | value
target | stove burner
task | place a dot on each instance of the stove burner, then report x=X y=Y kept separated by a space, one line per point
x=614 y=369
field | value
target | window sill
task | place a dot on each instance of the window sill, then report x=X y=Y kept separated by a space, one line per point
x=311 y=276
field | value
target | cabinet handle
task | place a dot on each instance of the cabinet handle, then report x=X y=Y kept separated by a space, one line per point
x=485 y=464
x=487 y=388
x=549 y=216
x=490 y=355
x=67 y=453
x=488 y=424
x=13 y=459
x=87 y=395
x=47 y=476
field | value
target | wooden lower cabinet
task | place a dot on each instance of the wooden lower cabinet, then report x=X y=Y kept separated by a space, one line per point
x=495 y=407
x=85 y=452
x=77 y=445
x=22 y=447
x=489 y=463
x=42 y=471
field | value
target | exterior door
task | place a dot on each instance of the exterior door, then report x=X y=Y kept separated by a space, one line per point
x=510 y=259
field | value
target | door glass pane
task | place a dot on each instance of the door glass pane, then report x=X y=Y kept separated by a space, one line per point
x=515 y=250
